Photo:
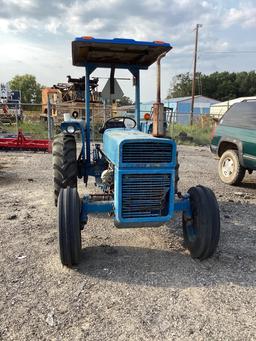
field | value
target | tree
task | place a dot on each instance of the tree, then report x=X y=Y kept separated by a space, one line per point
x=125 y=101
x=181 y=86
x=219 y=85
x=30 y=89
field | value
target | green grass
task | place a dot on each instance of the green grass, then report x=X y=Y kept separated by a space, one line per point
x=34 y=129
x=201 y=136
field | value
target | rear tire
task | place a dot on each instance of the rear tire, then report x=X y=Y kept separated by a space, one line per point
x=57 y=153
x=202 y=231
x=64 y=163
x=69 y=162
x=230 y=170
x=69 y=226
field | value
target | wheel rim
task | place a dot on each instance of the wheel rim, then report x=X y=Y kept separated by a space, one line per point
x=191 y=232
x=191 y=229
x=227 y=167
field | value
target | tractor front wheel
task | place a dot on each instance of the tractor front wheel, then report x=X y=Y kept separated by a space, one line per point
x=202 y=231
x=69 y=226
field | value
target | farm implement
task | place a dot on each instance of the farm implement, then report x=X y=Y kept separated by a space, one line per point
x=22 y=143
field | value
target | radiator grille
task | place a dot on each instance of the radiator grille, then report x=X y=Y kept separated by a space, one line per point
x=145 y=195
x=147 y=152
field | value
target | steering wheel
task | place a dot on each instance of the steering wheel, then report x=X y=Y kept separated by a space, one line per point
x=117 y=122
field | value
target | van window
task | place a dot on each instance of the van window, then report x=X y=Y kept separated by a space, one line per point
x=241 y=115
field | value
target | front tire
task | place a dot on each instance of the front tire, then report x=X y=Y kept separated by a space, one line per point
x=177 y=166
x=202 y=231
x=69 y=226
x=230 y=170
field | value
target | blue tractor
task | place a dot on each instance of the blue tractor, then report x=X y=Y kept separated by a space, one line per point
x=136 y=172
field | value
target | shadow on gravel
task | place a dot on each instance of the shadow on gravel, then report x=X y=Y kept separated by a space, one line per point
x=249 y=185
x=134 y=265
x=6 y=177
x=233 y=263
x=160 y=268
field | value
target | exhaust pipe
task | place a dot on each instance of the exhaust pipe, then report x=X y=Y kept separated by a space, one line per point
x=158 y=107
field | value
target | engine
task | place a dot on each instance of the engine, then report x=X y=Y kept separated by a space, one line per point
x=107 y=179
x=144 y=176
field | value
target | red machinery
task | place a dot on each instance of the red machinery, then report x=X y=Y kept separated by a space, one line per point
x=20 y=142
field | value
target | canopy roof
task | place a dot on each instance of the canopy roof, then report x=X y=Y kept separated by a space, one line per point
x=110 y=52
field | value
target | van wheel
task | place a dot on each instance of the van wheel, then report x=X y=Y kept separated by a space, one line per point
x=230 y=170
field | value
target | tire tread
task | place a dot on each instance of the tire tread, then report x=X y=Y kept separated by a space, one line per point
x=206 y=219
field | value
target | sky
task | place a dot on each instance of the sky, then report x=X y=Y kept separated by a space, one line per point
x=36 y=36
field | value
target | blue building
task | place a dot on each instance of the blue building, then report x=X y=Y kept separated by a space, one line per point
x=179 y=109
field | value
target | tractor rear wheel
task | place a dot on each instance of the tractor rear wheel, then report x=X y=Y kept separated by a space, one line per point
x=64 y=163
x=69 y=226
x=202 y=231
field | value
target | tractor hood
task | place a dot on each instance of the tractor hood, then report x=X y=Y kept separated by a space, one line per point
x=127 y=147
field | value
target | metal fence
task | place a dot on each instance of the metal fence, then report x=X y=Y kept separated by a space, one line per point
x=43 y=120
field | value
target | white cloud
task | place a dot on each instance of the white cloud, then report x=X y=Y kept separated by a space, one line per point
x=182 y=3
x=17 y=25
x=4 y=28
x=76 y=27
x=21 y=3
x=53 y=25
x=28 y=53
x=243 y=16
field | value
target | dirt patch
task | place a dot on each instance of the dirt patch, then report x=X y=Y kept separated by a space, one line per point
x=132 y=284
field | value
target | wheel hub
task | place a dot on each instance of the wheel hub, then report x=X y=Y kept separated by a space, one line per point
x=228 y=167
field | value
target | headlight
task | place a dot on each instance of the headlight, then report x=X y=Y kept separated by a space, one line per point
x=70 y=129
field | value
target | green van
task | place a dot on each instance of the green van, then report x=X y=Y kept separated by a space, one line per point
x=234 y=141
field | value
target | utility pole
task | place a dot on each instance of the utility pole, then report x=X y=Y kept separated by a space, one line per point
x=194 y=75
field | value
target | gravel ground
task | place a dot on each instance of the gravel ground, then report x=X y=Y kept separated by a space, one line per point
x=132 y=284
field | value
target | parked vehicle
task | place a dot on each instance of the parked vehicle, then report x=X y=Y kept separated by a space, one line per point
x=234 y=141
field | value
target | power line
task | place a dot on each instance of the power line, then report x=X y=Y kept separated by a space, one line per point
x=238 y=52
x=215 y=52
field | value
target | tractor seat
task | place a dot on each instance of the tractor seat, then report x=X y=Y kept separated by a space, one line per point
x=112 y=124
